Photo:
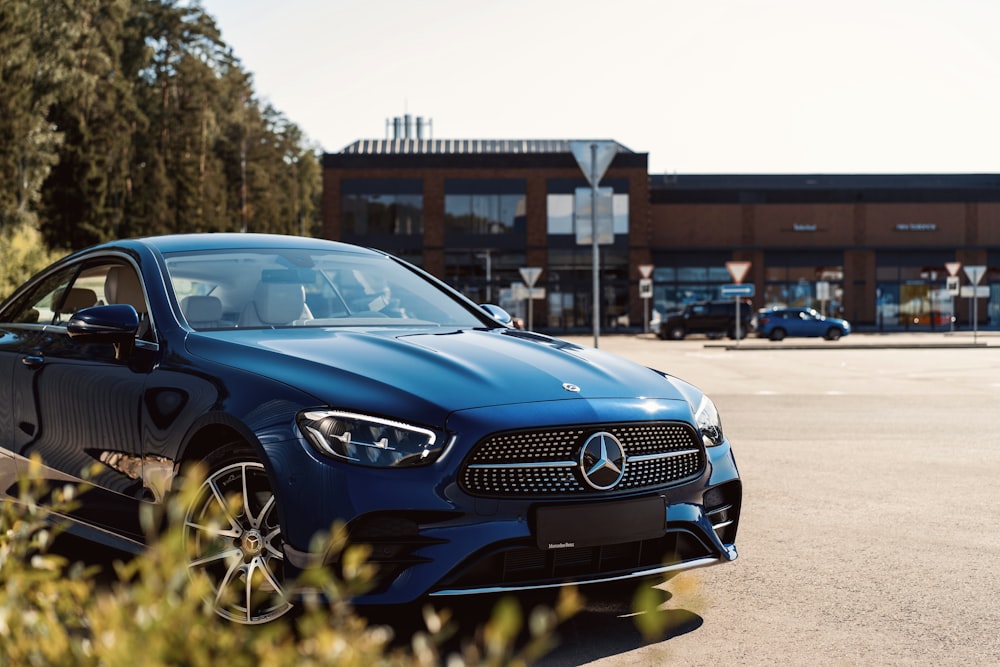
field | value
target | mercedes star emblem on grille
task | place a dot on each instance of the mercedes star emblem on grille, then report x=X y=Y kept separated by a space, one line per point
x=602 y=461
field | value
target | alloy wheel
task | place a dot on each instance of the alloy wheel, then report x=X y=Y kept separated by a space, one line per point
x=233 y=536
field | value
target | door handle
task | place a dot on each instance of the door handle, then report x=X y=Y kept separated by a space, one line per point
x=33 y=360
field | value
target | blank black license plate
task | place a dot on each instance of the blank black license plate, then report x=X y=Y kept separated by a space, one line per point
x=596 y=524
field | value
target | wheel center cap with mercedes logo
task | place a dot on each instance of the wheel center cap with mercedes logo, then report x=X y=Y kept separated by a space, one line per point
x=602 y=461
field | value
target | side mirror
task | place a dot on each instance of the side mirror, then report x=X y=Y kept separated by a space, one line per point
x=498 y=314
x=116 y=324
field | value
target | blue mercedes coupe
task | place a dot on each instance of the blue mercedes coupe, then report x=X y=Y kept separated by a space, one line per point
x=320 y=382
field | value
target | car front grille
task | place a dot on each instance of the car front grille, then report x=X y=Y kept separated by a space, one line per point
x=546 y=463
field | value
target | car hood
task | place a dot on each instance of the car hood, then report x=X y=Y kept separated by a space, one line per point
x=419 y=372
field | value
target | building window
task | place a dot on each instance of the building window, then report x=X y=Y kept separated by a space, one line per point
x=484 y=207
x=569 y=280
x=382 y=206
x=560 y=209
x=912 y=295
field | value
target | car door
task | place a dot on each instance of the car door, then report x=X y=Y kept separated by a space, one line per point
x=802 y=324
x=22 y=323
x=11 y=341
x=80 y=407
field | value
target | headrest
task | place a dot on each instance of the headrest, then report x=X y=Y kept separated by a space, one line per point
x=201 y=308
x=279 y=303
x=122 y=286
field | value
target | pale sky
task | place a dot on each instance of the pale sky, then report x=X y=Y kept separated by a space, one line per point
x=702 y=86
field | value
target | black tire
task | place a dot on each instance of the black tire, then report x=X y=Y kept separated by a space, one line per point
x=833 y=333
x=246 y=557
x=777 y=334
x=676 y=333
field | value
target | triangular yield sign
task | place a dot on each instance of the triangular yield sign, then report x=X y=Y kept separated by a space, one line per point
x=594 y=158
x=530 y=274
x=738 y=270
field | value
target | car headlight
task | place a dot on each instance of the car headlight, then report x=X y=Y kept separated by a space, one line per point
x=369 y=441
x=707 y=418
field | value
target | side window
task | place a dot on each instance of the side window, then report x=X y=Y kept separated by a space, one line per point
x=117 y=283
x=44 y=303
x=57 y=297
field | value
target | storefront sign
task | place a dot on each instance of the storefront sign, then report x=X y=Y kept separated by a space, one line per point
x=916 y=227
x=797 y=227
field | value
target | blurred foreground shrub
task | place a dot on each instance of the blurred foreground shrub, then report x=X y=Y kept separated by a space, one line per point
x=153 y=612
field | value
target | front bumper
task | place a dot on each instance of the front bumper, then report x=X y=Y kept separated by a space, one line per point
x=429 y=537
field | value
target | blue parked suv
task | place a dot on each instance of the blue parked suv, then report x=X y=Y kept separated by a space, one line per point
x=777 y=323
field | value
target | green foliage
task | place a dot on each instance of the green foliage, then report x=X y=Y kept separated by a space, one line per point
x=54 y=613
x=22 y=254
x=132 y=117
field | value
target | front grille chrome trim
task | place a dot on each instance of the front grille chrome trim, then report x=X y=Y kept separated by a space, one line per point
x=650 y=572
x=495 y=466
x=570 y=464
x=661 y=456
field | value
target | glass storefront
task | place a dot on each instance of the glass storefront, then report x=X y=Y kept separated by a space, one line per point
x=911 y=291
x=817 y=287
x=683 y=278
x=569 y=276
x=675 y=287
x=570 y=288
x=485 y=276
x=804 y=280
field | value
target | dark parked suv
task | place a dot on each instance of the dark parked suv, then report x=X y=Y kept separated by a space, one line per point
x=713 y=318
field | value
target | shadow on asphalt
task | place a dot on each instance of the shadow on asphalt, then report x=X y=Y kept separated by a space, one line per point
x=597 y=633
x=603 y=628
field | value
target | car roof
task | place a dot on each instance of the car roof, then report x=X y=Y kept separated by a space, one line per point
x=230 y=240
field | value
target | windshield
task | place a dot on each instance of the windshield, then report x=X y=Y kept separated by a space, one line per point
x=227 y=289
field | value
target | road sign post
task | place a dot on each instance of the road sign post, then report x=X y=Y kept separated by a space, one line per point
x=645 y=292
x=530 y=275
x=738 y=271
x=594 y=158
x=975 y=274
x=953 y=281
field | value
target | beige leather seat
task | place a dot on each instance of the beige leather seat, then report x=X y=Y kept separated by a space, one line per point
x=275 y=304
x=122 y=286
x=68 y=301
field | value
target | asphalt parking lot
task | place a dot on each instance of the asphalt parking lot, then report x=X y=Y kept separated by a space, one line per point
x=871 y=521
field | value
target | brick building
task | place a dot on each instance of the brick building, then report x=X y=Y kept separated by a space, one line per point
x=873 y=248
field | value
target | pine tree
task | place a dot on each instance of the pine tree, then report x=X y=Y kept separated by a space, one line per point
x=32 y=67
